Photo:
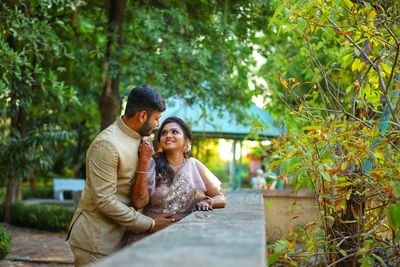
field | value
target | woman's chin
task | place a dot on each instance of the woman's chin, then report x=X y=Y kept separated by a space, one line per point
x=168 y=148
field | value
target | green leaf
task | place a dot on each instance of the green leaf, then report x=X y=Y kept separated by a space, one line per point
x=393 y=215
x=347 y=3
x=343 y=252
x=396 y=188
x=341 y=185
x=273 y=258
x=357 y=65
x=379 y=259
x=281 y=245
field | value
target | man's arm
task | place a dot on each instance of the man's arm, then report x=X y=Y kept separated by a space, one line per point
x=103 y=166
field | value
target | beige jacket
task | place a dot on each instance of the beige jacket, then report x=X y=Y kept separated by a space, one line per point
x=104 y=211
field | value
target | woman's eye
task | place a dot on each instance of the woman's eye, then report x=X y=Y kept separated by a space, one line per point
x=175 y=131
x=163 y=133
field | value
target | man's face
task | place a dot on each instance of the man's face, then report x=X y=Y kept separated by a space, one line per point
x=152 y=122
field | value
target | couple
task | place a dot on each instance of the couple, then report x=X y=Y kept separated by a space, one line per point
x=123 y=175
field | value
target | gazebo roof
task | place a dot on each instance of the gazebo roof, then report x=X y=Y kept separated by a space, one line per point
x=223 y=124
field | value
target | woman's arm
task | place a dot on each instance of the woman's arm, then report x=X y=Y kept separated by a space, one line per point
x=140 y=196
x=215 y=198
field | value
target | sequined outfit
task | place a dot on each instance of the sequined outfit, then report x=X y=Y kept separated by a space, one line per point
x=192 y=180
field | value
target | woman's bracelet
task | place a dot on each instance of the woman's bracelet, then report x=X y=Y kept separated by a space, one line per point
x=141 y=172
x=153 y=223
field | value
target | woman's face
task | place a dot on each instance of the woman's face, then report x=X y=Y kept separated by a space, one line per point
x=172 y=138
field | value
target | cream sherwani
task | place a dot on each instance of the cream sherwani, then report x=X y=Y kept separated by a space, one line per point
x=104 y=211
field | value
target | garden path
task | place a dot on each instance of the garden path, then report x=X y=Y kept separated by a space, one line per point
x=31 y=247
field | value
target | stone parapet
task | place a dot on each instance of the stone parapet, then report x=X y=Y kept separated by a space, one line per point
x=229 y=237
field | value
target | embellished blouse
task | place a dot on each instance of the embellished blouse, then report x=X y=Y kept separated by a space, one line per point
x=191 y=182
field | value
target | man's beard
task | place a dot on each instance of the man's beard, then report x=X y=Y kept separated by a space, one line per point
x=145 y=129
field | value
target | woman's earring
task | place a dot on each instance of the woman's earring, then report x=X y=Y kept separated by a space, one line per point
x=187 y=150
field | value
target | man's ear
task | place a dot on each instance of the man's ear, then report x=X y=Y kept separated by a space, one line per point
x=142 y=116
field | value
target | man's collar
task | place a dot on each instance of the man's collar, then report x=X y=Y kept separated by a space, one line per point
x=128 y=131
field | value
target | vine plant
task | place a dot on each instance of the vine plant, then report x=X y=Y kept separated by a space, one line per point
x=348 y=147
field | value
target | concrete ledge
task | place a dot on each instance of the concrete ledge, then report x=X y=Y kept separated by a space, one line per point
x=234 y=236
x=288 y=192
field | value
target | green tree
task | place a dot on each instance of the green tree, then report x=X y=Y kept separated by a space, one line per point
x=196 y=50
x=31 y=93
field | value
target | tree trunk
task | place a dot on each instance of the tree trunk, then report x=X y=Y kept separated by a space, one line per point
x=109 y=103
x=11 y=198
x=13 y=194
x=32 y=184
x=79 y=157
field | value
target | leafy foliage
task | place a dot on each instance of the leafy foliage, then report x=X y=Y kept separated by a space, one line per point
x=30 y=91
x=5 y=243
x=340 y=90
x=40 y=192
x=45 y=217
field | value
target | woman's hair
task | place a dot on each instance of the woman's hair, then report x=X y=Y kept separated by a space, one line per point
x=163 y=169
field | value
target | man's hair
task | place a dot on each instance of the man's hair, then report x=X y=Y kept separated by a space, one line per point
x=144 y=98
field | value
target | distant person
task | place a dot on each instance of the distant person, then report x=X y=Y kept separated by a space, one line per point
x=271 y=179
x=258 y=181
x=174 y=182
x=104 y=212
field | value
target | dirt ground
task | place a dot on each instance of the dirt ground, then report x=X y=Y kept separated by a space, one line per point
x=32 y=247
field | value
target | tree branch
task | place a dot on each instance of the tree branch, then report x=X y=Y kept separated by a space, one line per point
x=354 y=43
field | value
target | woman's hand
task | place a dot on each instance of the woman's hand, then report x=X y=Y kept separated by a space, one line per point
x=204 y=205
x=145 y=151
x=140 y=192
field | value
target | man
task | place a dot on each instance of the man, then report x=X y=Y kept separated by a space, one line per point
x=104 y=211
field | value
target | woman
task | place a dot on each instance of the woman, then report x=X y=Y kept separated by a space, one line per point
x=174 y=183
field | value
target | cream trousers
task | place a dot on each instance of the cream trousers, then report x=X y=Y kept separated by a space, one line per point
x=85 y=258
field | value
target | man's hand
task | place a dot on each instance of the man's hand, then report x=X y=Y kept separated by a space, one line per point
x=162 y=221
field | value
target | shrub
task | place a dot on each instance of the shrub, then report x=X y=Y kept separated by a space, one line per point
x=45 y=217
x=40 y=192
x=5 y=243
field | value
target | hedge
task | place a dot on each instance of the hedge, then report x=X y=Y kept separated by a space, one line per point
x=38 y=216
x=44 y=217
x=40 y=192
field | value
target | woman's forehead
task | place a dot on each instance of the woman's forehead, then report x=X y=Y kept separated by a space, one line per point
x=171 y=125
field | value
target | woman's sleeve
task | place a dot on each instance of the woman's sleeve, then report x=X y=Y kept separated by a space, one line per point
x=209 y=179
x=151 y=176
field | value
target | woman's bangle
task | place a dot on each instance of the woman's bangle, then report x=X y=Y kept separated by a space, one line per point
x=153 y=223
x=141 y=172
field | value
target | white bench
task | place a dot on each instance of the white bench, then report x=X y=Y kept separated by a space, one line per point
x=66 y=184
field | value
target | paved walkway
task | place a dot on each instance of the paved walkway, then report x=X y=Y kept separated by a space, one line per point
x=32 y=247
